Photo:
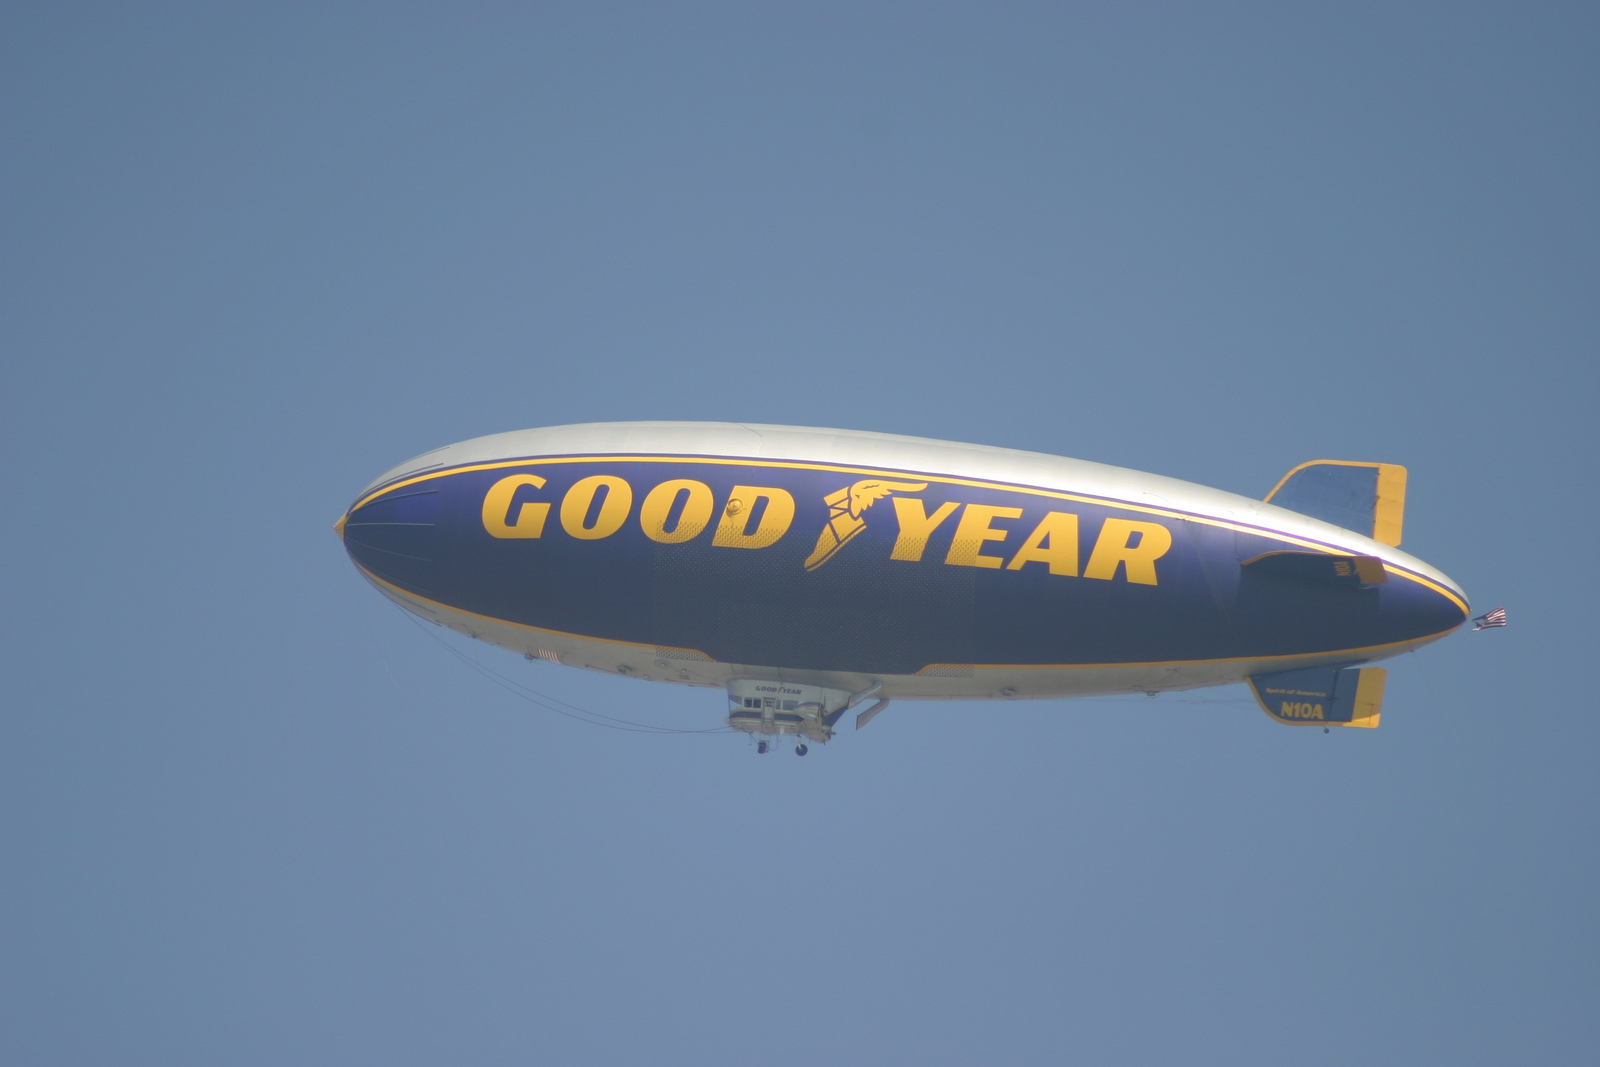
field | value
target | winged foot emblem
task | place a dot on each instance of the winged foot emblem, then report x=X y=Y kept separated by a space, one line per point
x=844 y=515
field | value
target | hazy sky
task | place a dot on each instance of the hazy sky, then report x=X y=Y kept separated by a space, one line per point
x=254 y=255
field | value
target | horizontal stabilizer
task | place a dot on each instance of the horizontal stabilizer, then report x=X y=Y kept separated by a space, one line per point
x=1322 y=696
x=1369 y=498
x=1353 y=571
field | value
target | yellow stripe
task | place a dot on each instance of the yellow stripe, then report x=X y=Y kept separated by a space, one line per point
x=1051 y=494
x=1364 y=651
x=1435 y=586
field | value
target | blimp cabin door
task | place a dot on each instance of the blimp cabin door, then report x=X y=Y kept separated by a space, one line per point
x=777 y=708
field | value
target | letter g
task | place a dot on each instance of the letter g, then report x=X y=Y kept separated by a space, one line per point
x=497 y=505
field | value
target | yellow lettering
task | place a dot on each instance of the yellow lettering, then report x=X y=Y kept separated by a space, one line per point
x=916 y=526
x=692 y=519
x=613 y=509
x=775 y=517
x=1112 y=548
x=1295 y=709
x=497 y=506
x=1061 y=530
x=973 y=530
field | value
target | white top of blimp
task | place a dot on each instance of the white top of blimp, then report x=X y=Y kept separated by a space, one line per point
x=895 y=453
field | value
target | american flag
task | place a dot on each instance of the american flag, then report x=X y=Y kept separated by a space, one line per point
x=1497 y=617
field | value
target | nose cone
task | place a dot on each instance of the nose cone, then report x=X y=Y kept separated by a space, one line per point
x=393 y=535
x=1424 y=607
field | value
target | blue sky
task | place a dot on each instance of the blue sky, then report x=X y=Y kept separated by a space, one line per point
x=250 y=814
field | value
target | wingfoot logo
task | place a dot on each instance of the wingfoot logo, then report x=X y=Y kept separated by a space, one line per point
x=844 y=515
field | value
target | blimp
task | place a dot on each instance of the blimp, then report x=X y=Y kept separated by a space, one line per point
x=809 y=572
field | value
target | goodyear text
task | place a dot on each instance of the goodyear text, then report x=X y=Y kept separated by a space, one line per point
x=981 y=535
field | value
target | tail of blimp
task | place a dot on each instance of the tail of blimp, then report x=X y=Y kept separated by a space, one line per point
x=1370 y=499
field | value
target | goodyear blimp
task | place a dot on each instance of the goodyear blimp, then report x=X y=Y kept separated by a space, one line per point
x=811 y=571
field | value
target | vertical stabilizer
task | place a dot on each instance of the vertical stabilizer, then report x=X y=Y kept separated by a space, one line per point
x=1369 y=498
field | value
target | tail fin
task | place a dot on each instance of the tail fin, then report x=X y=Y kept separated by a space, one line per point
x=1322 y=696
x=1369 y=498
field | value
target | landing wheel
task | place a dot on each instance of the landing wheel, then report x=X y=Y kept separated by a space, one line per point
x=761 y=748
x=800 y=750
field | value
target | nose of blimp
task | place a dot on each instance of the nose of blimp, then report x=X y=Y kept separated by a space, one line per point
x=1431 y=605
x=391 y=535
